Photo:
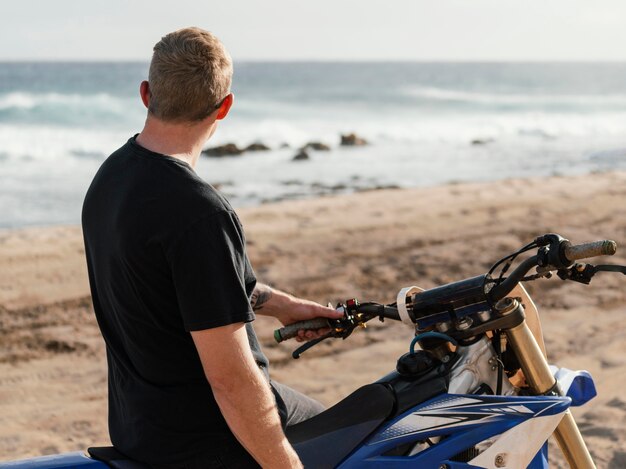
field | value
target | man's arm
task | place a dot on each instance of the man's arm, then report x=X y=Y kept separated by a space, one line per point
x=262 y=294
x=243 y=395
x=288 y=309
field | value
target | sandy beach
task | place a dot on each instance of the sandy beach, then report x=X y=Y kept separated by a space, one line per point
x=366 y=245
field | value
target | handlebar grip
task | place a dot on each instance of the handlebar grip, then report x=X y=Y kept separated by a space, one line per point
x=291 y=330
x=605 y=247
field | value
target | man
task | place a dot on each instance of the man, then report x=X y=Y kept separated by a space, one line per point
x=173 y=290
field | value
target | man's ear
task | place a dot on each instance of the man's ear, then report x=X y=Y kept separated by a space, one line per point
x=144 y=92
x=225 y=107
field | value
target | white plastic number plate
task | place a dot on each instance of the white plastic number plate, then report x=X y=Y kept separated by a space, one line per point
x=401 y=304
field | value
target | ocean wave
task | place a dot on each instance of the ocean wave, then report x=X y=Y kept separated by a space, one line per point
x=610 y=156
x=21 y=100
x=515 y=99
x=61 y=145
x=45 y=139
x=422 y=128
x=67 y=109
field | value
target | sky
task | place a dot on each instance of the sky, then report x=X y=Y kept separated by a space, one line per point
x=465 y=30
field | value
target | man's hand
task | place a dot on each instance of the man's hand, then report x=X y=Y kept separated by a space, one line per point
x=289 y=309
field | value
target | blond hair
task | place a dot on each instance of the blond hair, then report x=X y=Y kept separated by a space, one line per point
x=190 y=75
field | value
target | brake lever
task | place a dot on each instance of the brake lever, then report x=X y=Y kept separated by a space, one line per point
x=583 y=273
x=611 y=268
x=303 y=348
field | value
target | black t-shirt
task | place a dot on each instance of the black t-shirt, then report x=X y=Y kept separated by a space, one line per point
x=166 y=255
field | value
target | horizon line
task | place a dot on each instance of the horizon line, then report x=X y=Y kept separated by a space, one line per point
x=330 y=61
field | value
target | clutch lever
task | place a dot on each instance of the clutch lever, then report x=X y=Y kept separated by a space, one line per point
x=303 y=348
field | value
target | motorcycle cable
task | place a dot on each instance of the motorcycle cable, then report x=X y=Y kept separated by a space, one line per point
x=506 y=267
x=529 y=278
x=497 y=345
x=430 y=335
x=509 y=261
x=528 y=247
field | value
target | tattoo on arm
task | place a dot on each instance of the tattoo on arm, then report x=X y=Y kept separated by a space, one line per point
x=261 y=295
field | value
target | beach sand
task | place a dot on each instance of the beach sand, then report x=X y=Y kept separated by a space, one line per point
x=366 y=245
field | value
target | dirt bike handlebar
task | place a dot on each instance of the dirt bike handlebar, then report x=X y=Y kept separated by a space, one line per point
x=554 y=253
x=563 y=256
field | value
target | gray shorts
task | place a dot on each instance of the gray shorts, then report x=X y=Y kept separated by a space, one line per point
x=293 y=406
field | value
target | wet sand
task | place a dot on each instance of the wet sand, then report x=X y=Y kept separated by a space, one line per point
x=366 y=245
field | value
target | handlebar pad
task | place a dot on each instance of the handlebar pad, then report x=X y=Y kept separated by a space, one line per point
x=597 y=248
x=291 y=330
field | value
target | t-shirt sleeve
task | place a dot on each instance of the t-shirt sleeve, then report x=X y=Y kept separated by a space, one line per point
x=209 y=267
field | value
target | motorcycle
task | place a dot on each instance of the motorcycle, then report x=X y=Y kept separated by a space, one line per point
x=451 y=404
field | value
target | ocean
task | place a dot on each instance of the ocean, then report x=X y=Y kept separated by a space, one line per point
x=426 y=124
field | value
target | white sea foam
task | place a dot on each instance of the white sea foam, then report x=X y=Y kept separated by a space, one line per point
x=517 y=99
x=57 y=144
x=47 y=141
x=22 y=100
x=69 y=110
x=419 y=128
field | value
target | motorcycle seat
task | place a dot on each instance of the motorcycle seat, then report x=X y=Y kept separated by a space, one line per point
x=326 y=439
x=322 y=441
x=114 y=459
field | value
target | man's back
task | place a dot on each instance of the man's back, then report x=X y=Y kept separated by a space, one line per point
x=166 y=255
x=173 y=289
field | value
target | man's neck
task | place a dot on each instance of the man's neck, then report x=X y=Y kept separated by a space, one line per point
x=180 y=141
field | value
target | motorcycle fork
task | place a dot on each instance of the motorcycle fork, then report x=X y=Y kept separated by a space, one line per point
x=541 y=381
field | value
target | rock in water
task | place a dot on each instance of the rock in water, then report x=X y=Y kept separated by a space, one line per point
x=257 y=147
x=301 y=156
x=352 y=140
x=230 y=149
x=482 y=141
x=317 y=146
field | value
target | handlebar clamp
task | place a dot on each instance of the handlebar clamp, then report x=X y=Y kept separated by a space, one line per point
x=552 y=251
